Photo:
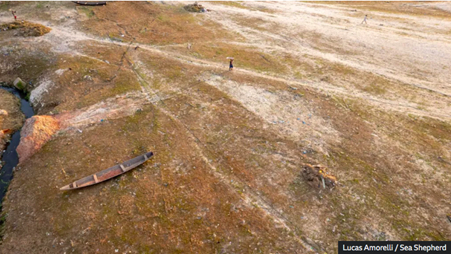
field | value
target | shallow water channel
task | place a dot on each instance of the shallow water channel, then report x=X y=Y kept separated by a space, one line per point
x=10 y=158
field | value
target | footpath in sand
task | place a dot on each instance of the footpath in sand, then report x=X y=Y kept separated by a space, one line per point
x=311 y=86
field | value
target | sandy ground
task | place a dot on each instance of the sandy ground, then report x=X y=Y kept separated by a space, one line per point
x=369 y=101
x=418 y=57
x=411 y=50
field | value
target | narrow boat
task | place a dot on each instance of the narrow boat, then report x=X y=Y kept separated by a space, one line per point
x=90 y=3
x=108 y=173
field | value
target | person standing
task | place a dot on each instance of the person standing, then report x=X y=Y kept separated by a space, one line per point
x=364 y=19
x=14 y=14
x=231 y=65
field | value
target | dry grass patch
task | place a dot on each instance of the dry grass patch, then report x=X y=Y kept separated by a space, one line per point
x=42 y=10
x=256 y=160
x=245 y=57
x=163 y=74
x=308 y=67
x=113 y=54
x=405 y=8
x=244 y=6
x=25 y=28
x=377 y=86
x=230 y=3
x=325 y=43
x=313 y=68
x=158 y=24
x=254 y=157
x=258 y=24
x=85 y=81
x=28 y=64
x=268 y=84
x=173 y=202
x=358 y=164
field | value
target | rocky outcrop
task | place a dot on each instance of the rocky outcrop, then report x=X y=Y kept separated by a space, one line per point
x=19 y=84
x=2 y=142
x=39 y=129
x=195 y=8
x=36 y=131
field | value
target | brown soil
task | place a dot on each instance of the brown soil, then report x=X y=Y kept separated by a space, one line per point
x=11 y=118
x=310 y=87
x=157 y=24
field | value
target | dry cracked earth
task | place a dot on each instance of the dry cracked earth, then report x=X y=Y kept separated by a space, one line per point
x=311 y=85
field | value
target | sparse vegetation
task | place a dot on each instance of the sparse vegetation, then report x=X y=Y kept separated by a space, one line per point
x=159 y=24
x=399 y=8
x=229 y=145
x=26 y=28
x=87 y=10
x=258 y=23
x=233 y=4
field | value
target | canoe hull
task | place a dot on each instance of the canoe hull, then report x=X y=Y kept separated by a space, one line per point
x=90 y=3
x=109 y=173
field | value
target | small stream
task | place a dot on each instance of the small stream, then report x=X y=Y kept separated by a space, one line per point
x=10 y=158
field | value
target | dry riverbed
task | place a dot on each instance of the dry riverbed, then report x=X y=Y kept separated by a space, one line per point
x=311 y=85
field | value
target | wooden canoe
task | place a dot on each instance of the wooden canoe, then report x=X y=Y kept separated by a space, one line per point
x=108 y=173
x=90 y=3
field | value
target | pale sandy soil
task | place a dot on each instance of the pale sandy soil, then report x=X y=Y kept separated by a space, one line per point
x=418 y=57
x=247 y=132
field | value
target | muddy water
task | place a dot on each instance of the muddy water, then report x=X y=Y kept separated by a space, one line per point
x=10 y=158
